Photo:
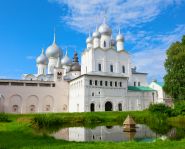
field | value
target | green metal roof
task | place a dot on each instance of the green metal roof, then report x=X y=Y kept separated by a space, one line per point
x=160 y=83
x=140 y=88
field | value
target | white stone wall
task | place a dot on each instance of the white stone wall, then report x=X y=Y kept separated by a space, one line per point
x=142 y=78
x=140 y=100
x=29 y=98
x=160 y=92
x=91 y=58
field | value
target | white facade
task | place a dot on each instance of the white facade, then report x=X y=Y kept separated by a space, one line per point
x=104 y=81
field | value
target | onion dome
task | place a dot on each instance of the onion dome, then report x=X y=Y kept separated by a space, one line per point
x=105 y=29
x=76 y=66
x=89 y=39
x=119 y=37
x=66 y=60
x=42 y=59
x=53 y=50
x=96 y=34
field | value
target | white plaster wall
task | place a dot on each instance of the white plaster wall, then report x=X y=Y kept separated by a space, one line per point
x=160 y=92
x=25 y=96
x=76 y=95
x=142 y=78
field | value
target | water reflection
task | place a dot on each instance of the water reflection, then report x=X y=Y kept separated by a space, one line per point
x=106 y=133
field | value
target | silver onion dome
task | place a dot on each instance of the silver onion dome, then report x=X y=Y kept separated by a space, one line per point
x=119 y=37
x=66 y=60
x=96 y=34
x=42 y=59
x=105 y=29
x=53 y=50
x=76 y=67
x=89 y=39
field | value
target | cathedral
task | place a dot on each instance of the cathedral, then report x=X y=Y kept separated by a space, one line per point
x=103 y=81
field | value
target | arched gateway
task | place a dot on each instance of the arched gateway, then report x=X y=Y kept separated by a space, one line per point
x=108 y=106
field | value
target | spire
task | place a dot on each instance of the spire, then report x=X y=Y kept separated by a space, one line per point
x=119 y=31
x=66 y=52
x=75 y=58
x=42 y=51
x=54 y=38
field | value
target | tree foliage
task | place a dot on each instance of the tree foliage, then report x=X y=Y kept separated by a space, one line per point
x=175 y=68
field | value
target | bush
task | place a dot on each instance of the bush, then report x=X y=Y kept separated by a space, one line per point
x=179 y=108
x=160 y=109
x=4 y=117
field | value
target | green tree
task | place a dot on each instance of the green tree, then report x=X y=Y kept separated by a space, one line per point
x=175 y=68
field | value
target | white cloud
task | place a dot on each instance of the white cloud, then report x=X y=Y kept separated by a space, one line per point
x=83 y=14
x=153 y=47
x=148 y=48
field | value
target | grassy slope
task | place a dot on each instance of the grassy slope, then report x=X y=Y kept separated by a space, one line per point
x=19 y=134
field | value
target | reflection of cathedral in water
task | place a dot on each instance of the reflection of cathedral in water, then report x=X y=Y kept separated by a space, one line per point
x=105 y=133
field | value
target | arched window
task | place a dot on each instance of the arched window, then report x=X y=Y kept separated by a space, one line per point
x=123 y=69
x=120 y=107
x=92 y=107
x=15 y=108
x=104 y=44
x=32 y=108
x=47 y=107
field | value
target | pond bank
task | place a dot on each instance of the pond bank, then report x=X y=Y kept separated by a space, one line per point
x=21 y=134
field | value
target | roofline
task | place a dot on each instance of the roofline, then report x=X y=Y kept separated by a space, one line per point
x=139 y=73
x=27 y=81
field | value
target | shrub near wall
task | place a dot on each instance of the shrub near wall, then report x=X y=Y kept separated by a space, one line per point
x=160 y=109
x=4 y=117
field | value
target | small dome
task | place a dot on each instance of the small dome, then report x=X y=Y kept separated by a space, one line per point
x=42 y=59
x=66 y=60
x=76 y=67
x=96 y=34
x=119 y=37
x=89 y=40
x=53 y=50
x=105 y=29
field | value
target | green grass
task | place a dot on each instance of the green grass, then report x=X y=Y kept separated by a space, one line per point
x=19 y=132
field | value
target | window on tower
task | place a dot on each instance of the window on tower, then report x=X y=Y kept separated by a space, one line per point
x=90 y=82
x=105 y=83
x=111 y=68
x=123 y=69
x=99 y=67
x=101 y=83
x=110 y=83
x=134 y=83
x=139 y=84
x=104 y=44
x=96 y=82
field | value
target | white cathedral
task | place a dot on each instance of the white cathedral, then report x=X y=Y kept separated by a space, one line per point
x=104 y=81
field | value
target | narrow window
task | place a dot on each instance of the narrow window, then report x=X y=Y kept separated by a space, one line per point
x=111 y=68
x=120 y=84
x=96 y=82
x=123 y=69
x=115 y=84
x=139 y=83
x=92 y=93
x=99 y=67
x=120 y=107
x=105 y=83
x=104 y=44
x=90 y=82
x=101 y=83
x=134 y=83
x=110 y=83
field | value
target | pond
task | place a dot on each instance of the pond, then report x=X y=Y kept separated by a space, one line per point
x=114 y=133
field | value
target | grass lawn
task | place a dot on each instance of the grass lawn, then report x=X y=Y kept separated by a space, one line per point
x=19 y=133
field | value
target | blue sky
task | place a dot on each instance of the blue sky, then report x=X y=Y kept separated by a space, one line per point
x=26 y=26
